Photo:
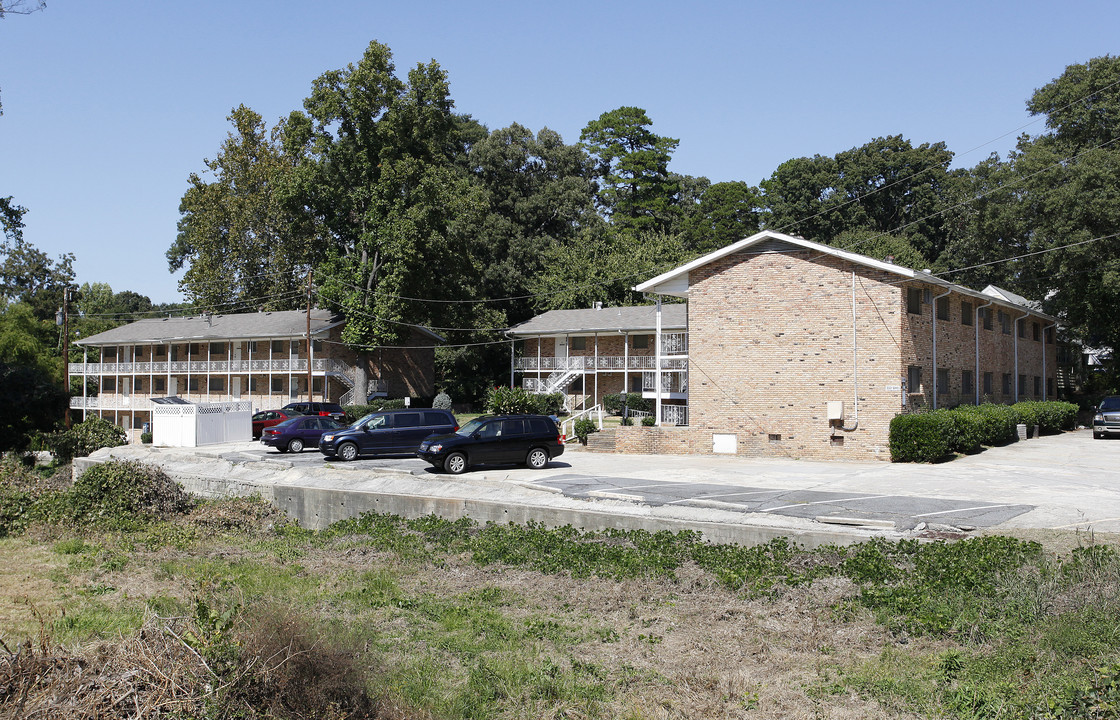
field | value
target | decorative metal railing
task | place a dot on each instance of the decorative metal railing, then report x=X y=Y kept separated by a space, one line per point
x=674 y=415
x=202 y=367
x=585 y=362
x=671 y=382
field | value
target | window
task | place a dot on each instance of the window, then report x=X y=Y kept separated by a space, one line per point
x=1036 y=331
x=914 y=301
x=277 y=347
x=1037 y=386
x=217 y=348
x=1004 y=323
x=192 y=349
x=578 y=343
x=159 y=351
x=966 y=382
x=986 y=315
x=1049 y=386
x=159 y=385
x=1021 y=388
x=277 y=385
x=192 y=384
x=109 y=384
x=943 y=308
x=252 y=347
x=927 y=296
x=987 y=383
x=252 y=384
x=217 y=384
x=966 y=313
x=1021 y=327
x=942 y=381
x=914 y=379
x=295 y=348
x=137 y=422
x=317 y=385
x=1007 y=383
x=1049 y=336
x=639 y=342
x=137 y=384
x=317 y=346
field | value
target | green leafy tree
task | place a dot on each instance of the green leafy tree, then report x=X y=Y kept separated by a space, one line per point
x=244 y=237
x=724 y=213
x=636 y=190
x=30 y=384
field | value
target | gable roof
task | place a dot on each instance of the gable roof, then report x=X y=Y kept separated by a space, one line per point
x=675 y=282
x=641 y=318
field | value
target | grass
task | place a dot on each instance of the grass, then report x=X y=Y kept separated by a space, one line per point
x=456 y=620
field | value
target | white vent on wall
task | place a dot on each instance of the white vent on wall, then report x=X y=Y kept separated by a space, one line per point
x=835 y=409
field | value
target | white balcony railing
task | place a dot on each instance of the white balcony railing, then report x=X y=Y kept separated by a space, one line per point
x=674 y=415
x=617 y=363
x=671 y=382
x=674 y=343
x=202 y=367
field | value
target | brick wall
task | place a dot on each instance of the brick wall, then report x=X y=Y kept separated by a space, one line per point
x=771 y=343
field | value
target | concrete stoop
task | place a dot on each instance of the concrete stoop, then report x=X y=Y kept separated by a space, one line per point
x=603 y=441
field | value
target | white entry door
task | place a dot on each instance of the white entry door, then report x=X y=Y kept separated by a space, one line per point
x=561 y=348
x=173 y=387
x=235 y=388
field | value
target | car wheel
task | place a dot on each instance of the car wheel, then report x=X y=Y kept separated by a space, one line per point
x=537 y=458
x=456 y=463
x=296 y=445
x=347 y=451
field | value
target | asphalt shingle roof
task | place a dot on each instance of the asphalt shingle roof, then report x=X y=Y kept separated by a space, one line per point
x=610 y=319
x=262 y=325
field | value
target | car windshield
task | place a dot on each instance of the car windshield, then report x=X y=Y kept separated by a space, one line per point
x=373 y=420
x=471 y=426
x=1110 y=403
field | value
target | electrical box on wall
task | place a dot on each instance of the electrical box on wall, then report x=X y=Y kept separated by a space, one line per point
x=835 y=410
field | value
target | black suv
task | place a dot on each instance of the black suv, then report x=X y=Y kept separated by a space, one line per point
x=387 y=432
x=323 y=409
x=529 y=439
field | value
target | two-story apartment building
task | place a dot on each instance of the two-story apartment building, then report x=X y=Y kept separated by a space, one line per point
x=792 y=348
x=261 y=357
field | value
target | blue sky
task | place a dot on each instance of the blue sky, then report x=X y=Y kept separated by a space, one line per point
x=108 y=106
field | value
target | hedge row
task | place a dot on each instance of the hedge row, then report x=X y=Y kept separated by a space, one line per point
x=931 y=436
x=613 y=404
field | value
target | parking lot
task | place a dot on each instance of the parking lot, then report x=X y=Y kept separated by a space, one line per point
x=1068 y=481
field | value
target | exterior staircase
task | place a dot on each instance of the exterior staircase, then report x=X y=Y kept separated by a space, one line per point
x=602 y=441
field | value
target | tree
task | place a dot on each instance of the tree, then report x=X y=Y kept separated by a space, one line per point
x=246 y=240
x=636 y=190
x=28 y=275
x=30 y=384
x=725 y=212
x=885 y=186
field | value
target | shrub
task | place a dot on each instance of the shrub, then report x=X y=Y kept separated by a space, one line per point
x=626 y=421
x=967 y=435
x=1050 y=416
x=121 y=494
x=508 y=401
x=84 y=438
x=997 y=423
x=649 y=421
x=146 y=438
x=442 y=401
x=923 y=437
x=633 y=401
x=550 y=404
x=584 y=427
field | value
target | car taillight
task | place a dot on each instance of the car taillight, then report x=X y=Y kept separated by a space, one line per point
x=455 y=429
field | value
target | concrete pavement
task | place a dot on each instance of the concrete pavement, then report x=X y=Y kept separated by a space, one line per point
x=1067 y=481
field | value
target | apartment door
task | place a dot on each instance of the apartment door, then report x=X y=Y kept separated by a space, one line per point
x=172 y=387
x=235 y=388
x=561 y=349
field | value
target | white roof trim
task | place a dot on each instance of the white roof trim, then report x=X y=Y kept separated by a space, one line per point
x=675 y=282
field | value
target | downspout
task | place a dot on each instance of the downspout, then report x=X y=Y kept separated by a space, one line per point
x=933 y=319
x=976 y=328
x=855 y=360
x=1015 y=338
x=1045 y=394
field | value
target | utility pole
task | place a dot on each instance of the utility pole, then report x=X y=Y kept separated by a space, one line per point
x=309 y=396
x=66 y=350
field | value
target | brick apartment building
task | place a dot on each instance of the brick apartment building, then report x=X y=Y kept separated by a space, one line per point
x=795 y=349
x=259 y=357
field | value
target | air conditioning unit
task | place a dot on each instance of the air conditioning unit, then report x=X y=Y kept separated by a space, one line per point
x=835 y=410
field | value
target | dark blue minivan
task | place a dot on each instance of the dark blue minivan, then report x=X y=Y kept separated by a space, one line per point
x=387 y=432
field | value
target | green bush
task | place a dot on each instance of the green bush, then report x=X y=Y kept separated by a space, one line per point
x=649 y=421
x=548 y=404
x=442 y=401
x=357 y=412
x=626 y=421
x=997 y=423
x=1050 y=416
x=921 y=437
x=84 y=438
x=146 y=438
x=967 y=434
x=584 y=427
x=123 y=494
x=614 y=403
x=510 y=401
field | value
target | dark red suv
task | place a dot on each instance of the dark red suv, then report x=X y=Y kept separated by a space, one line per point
x=323 y=409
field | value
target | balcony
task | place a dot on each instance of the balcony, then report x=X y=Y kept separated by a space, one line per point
x=674 y=343
x=674 y=415
x=212 y=367
x=588 y=363
x=674 y=385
